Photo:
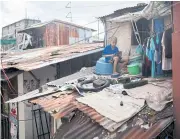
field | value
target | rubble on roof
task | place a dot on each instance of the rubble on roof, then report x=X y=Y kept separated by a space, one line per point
x=81 y=126
x=37 y=58
x=144 y=122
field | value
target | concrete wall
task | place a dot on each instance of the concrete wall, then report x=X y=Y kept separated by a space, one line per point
x=11 y=31
x=12 y=28
x=25 y=111
x=123 y=32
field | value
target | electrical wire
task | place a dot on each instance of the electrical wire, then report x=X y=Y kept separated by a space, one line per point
x=90 y=6
x=90 y=22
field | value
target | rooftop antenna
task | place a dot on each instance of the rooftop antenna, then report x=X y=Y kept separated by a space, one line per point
x=69 y=15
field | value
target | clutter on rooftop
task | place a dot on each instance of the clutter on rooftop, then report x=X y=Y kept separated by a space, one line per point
x=95 y=103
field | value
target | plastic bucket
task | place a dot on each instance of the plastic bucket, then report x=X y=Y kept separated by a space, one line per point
x=134 y=69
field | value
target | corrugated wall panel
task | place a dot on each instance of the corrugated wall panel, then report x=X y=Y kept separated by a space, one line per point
x=51 y=35
x=60 y=34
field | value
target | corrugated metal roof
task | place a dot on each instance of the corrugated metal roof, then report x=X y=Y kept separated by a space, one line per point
x=37 y=58
x=141 y=133
x=107 y=123
x=126 y=10
x=57 y=105
x=38 y=25
x=81 y=126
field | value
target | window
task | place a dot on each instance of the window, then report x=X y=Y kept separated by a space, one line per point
x=143 y=28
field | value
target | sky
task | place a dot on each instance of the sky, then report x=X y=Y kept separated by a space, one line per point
x=83 y=12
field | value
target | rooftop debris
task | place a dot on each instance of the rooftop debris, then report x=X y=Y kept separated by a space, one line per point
x=66 y=103
x=37 y=58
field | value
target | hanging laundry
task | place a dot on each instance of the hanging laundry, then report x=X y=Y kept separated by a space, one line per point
x=158 y=28
x=158 y=53
x=166 y=62
x=152 y=52
x=139 y=49
x=146 y=65
x=158 y=25
x=168 y=43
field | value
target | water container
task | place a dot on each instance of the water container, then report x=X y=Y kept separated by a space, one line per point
x=103 y=68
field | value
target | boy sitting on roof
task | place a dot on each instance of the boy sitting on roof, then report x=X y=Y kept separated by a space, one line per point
x=112 y=55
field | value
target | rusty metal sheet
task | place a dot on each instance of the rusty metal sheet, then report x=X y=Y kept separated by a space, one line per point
x=37 y=58
x=81 y=126
x=51 y=35
x=107 y=123
x=57 y=106
x=142 y=133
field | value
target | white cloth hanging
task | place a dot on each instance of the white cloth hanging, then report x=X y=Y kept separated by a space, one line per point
x=166 y=62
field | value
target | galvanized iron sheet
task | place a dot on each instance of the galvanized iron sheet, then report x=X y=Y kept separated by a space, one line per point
x=37 y=58
x=81 y=126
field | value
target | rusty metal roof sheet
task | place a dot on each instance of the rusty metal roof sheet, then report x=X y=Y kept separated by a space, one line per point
x=81 y=126
x=141 y=133
x=37 y=58
x=107 y=123
x=57 y=105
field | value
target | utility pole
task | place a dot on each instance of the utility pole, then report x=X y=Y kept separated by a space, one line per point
x=98 y=29
x=25 y=13
x=69 y=15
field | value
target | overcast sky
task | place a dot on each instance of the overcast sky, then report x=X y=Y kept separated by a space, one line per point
x=82 y=12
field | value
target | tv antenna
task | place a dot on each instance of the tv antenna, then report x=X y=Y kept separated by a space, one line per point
x=69 y=15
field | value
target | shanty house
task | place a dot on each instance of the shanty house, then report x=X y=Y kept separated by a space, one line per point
x=126 y=23
x=57 y=32
x=11 y=32
x=30 y=69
